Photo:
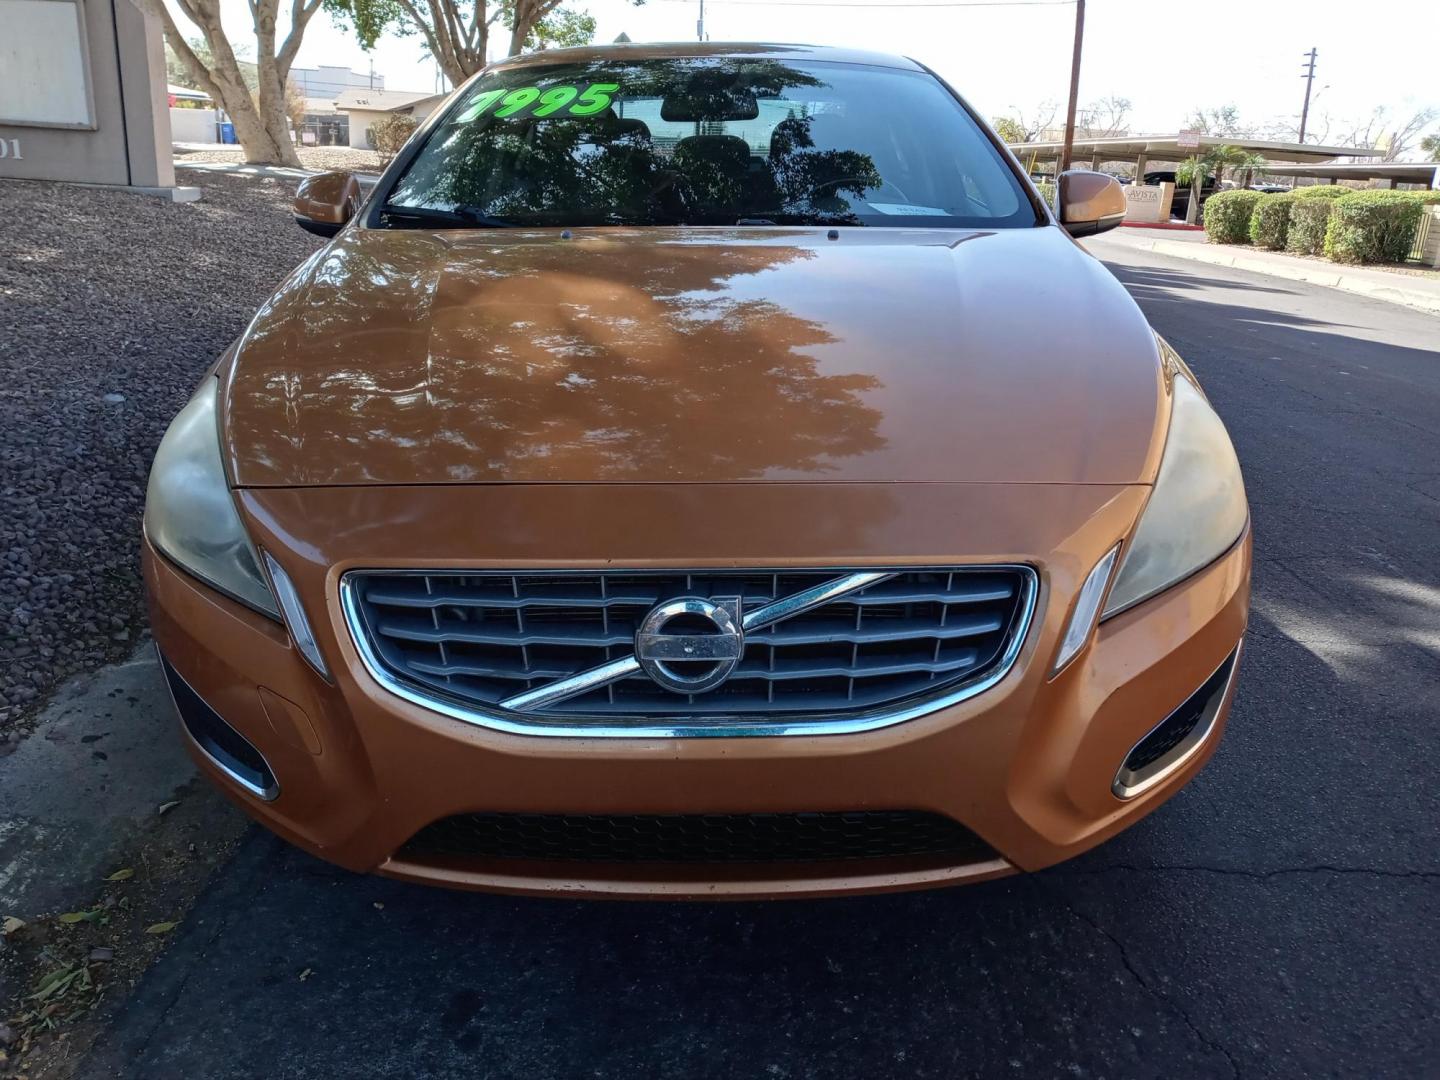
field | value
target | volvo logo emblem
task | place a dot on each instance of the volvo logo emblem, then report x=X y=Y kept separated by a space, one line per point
x=690 y=645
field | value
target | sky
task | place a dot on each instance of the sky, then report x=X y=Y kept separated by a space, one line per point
x=1006 y=55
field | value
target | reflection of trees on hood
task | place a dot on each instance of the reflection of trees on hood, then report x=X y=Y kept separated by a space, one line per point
x=548 y=360
x=607 y=169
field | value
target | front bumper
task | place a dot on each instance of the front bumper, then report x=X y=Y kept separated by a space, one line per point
x=1028 y=766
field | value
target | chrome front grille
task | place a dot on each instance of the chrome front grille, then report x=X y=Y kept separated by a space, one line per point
x=489 y=646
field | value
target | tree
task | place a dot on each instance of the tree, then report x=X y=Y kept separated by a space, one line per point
x=296 y=108
x=1017 y=126
x=1104 y=119
x=1223 y=120
x=1430 y=144
x=563 y=29
x=1387 y=131
x=457 y=32
x=260 y=120
x=177 y=73
x=390 y=133
x=1194 y=171
x=1009 y=129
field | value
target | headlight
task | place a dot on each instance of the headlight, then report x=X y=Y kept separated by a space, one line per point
x=190 y=514
x=1196 y=511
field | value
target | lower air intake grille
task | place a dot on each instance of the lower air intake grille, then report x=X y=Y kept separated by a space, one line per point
x=700 y=838
x=1172 y=741
x=1178 y=726
x=483 y=640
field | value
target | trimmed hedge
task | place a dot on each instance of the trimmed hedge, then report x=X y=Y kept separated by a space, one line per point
x=1373 y=226
x=1271 y=220
x=1227 y=216
x=1305 y=231
x=1322 y=191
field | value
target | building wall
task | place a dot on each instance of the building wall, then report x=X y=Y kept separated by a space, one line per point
x=329 y=81
x=127 y=138
x=193 y=125
x=362 y=119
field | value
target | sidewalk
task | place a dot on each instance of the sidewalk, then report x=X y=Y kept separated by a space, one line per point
x=240 y=168
x=275 y=172
x=1420 y=290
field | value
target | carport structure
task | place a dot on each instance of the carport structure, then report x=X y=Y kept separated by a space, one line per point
x=1425 y=174
x=1142 y=150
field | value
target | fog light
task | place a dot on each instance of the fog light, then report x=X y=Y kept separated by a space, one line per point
x=1086 y=608
x=295 y=618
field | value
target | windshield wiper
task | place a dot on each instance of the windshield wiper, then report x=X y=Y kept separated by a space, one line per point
x=465 y=217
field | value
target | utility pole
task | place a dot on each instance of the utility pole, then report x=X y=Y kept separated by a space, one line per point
x=700 y=23
x=1069 y=147
x=1309 y=77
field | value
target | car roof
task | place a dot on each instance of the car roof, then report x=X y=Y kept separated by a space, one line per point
x=680 y=49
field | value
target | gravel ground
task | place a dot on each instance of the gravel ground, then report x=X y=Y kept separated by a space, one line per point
x=312 y=157
x=111 y=307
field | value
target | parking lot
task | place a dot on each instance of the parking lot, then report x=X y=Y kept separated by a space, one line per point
x=1277 y=918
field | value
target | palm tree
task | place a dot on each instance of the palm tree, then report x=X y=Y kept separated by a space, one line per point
x=1197 y=169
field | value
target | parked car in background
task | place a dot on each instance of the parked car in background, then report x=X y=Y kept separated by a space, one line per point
x=700 y=470
x=1181 y=206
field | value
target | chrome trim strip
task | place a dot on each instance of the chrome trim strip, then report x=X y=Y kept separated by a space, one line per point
x=295 y=621
x=806 y=599
x=269 y=794
x=615 y=670
x=569 y=687
x=1127 y=785
x=707 y=727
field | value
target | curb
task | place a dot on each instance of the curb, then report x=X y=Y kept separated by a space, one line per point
x=1331 y=277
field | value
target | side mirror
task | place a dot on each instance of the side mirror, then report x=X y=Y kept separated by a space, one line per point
x=324 y=203
x=1090 y=202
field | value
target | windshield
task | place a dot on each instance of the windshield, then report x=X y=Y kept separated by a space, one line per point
x=707 y=141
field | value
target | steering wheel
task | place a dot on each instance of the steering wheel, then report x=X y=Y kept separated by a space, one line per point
x=824 y=184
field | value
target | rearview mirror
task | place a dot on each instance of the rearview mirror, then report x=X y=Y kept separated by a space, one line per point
x=324 y=203
x=1090 y=202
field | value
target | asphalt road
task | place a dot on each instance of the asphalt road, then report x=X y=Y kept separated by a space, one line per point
x=1280 y=917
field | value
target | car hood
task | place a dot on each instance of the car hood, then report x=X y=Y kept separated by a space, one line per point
x=695 y=355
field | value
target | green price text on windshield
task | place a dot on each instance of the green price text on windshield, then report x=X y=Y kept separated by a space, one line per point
x=538 y=101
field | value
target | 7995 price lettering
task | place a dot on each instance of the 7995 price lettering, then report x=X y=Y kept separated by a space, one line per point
x=537 y=101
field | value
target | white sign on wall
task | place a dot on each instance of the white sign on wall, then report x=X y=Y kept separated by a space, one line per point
x=44 y=73
x=1148 y=202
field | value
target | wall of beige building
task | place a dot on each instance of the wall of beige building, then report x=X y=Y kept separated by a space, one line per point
x=83 y=94
x=362 y=120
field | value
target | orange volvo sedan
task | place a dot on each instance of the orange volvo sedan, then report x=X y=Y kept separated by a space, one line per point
x=699 y=471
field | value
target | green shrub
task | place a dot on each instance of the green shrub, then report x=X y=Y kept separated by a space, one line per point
x=390 y=133
x=1227 y=216
x=1271 y=220
x=1309 y=218
x=1047 y=191
x=1322 y=191
x=1373 y=226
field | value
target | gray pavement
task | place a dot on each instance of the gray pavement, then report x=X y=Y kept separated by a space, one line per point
x=1413 y=286
x=103 y=756
x=1279 y=918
